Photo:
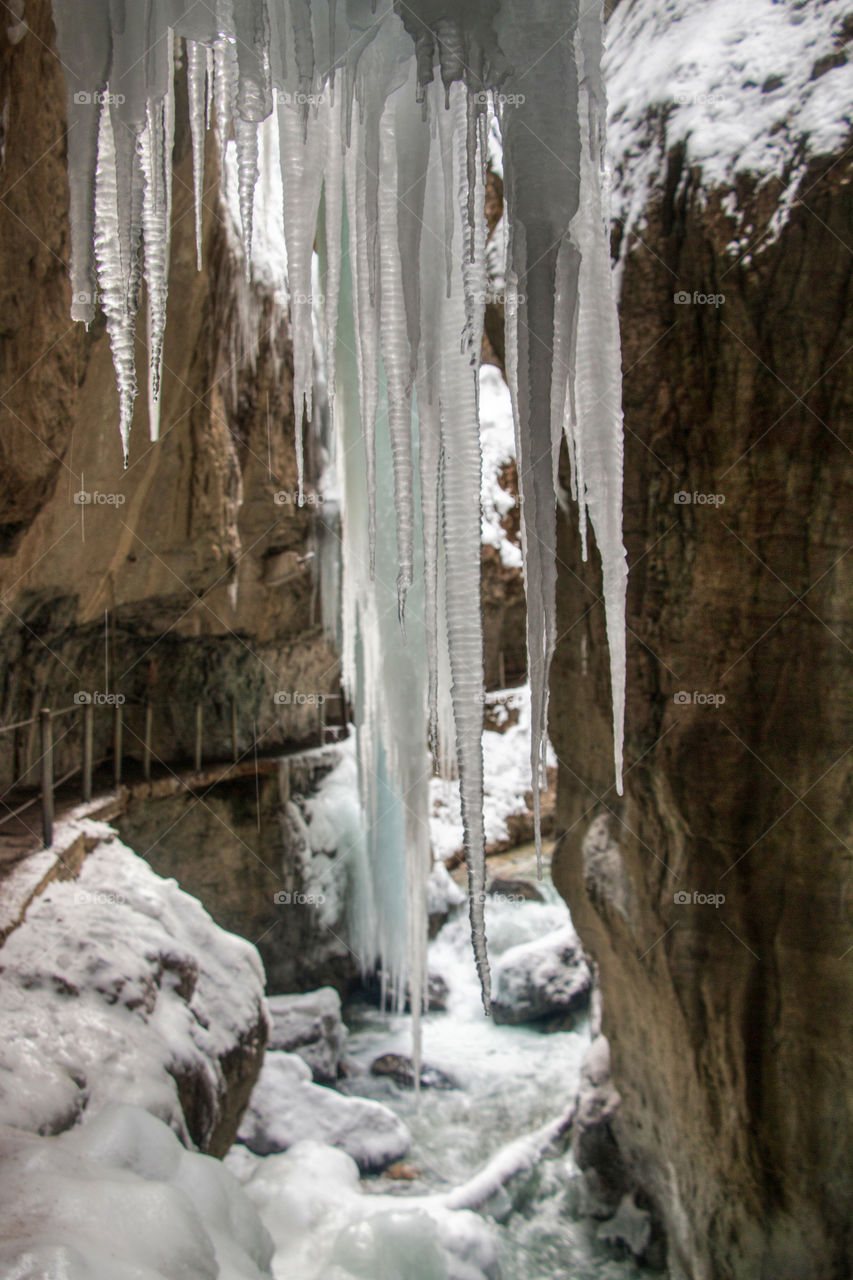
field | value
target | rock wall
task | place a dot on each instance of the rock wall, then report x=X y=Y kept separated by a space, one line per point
x=715 y=895
x=243 y=854
x=182 y=579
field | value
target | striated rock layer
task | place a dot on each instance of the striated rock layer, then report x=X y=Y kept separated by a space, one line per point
x=715 y=896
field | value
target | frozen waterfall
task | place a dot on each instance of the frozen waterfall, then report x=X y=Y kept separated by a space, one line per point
x=384 y=113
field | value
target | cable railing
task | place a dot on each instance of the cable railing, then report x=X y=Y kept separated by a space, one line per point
x=86 y=766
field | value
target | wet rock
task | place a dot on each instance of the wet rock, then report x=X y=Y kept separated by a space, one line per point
x=545 y=979
x=286 y=1106
x=437 y=990
x=524 y=890
x=310 y=1025
x=401 y=1070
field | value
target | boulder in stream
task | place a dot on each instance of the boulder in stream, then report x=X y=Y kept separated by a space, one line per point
x=399 y=1068
x=548 y=978
x=311 y=1026
x=286 y=1106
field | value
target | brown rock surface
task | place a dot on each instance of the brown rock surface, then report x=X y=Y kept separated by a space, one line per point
x=730 y=1024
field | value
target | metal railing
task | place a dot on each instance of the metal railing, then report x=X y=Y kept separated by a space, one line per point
x=86 y=765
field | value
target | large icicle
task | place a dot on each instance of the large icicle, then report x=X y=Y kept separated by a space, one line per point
x=400 y=154
x=599 y=372
x=461 y=518
x=302 y=152
x=396 y=357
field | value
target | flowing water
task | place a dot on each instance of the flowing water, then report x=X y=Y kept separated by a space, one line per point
x=513 y=1079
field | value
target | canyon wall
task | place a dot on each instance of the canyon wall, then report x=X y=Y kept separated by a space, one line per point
x=186 y=577
x=715 y=895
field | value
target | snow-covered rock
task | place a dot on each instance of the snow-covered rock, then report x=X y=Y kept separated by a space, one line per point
x=541 y=979
x=310 y=1025
x=119 y=1198
x=443 y=896
x=287 y=1107
x=118 y=986
x=506 y=781
x=753 y=87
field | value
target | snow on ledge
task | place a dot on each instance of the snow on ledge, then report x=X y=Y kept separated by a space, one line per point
x=748 y=86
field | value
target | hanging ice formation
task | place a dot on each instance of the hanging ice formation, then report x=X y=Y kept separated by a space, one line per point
x=383 y=115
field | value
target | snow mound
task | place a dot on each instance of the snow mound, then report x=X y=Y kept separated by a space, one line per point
x=541 y=979
x=287 y=1107
x=747 y=86
x=119 y=986
x=310 y=1025
x=120 y=1199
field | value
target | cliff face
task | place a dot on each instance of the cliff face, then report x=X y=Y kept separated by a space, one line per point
x=180 y=578
x=715 y=896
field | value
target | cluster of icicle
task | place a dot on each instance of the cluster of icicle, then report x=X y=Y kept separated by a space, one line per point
x=383 y=115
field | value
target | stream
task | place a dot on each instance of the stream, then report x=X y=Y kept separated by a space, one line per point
x=512 y=1080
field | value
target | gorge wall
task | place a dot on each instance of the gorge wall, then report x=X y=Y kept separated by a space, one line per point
x=182 y=579
x=729 y=1019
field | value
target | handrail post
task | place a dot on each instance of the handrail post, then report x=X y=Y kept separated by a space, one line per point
x=234 y=751
x=117 y=733
x=46 y=731
x=199 y=719
x=146 y=742
x=321 y=720
x=88 y=749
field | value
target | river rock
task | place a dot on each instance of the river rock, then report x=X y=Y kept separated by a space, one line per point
x=310 y=1025
x=286 y=1106
x=543 y=979
x=437 y=990
x=401 y=1070
x=506 y=887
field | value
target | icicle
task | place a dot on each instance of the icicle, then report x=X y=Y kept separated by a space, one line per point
x=461 y=518
x=113 y=277
x=155 y=147
x=246 y=144
x=396 y=357
x=302 y=175
x=197 y=56
x=365 y=325
x=599 y=376
x=333 y=192
x=562 y=339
